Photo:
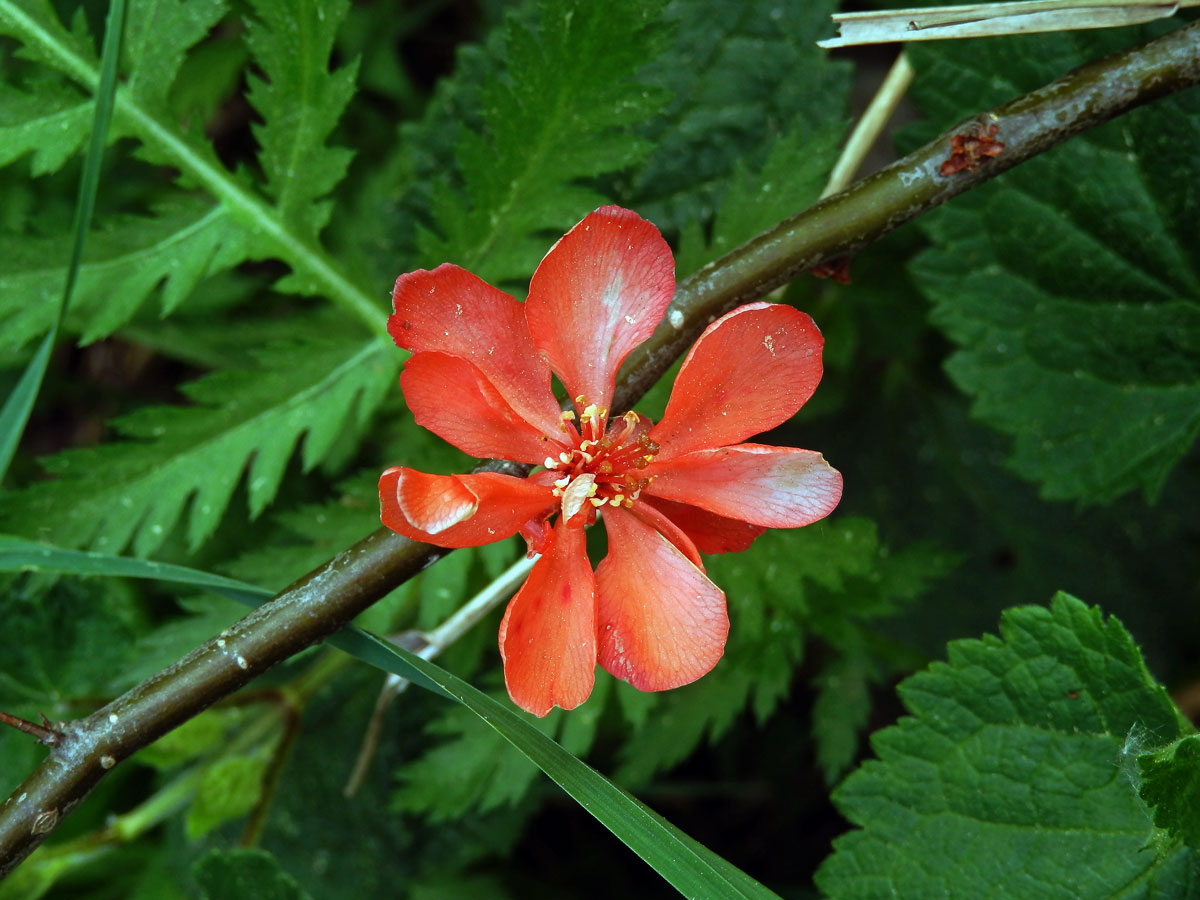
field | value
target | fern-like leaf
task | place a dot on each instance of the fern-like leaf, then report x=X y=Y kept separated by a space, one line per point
x=157 y=37
x=51 y=121
x=560 y=113
x=127 y=261
x=300 y=102
x=194 y=457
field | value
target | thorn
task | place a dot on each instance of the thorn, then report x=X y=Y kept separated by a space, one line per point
x=44 y=733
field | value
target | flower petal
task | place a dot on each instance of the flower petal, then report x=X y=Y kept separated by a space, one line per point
x=709 y=532
x=660 y=622
x=600 y=291
x=548 y=633
x=452 y=311
x=749 y=371
x=779 y=487
x=652 y=516
x=459 y=510
x=454 y=399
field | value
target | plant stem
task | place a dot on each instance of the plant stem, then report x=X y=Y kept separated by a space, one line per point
x=870 y=125
x=323 y=601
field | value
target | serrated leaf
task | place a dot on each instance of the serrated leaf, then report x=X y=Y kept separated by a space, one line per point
x=841 y=710
x=1005 y=781
x=559 y=113
x=1171 y=784
x=300 y=101
x=308 y=169
x=127 y=261
x=739 y=75
x=51 y=121
x=158 y=35
x=791 y=179
x=238 y=874
x=1087 y=350
x=21 y=18
x=192 y=458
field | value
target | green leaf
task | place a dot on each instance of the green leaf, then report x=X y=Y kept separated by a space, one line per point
x=1006 y=779
x=238 y=874
x=300 y=101
x=51 y=121
x=64 y=643
x=18 y=554
x=193 y=458
x=841 y=710
x=127 y=260
x=477 y=768
x=1171 y=784
x=228 y=790
x=159 y=35
x=791 y=179
x=1086 y=352
x=559 y=114
x=19 y=404
x=740 y=76
x=286 y=232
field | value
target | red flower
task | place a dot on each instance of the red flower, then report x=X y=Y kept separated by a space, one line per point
x=480 y=378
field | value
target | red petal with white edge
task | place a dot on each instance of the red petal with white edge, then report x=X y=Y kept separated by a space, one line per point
x=660 y=622
x=750 y=371
x=709 y=532
x=548 y=633
x=452 y=311
x=459 y=510
x=454 y=399
x=779 y=487
x=600 y=291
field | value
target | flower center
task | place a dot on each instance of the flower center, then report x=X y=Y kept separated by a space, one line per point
x=603 y=468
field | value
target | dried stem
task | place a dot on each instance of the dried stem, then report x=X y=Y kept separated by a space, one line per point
x=870 y=125
x=326 y=599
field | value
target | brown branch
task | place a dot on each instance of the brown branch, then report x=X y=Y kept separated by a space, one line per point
x=44 y=733
x=329 y=597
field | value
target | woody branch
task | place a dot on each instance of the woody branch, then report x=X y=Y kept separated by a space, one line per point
x=324 y=600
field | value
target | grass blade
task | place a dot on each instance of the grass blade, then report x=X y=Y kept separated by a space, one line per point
x=18 y=406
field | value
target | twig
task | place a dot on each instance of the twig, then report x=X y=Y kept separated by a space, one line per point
x=44 y=733
x=326 y=599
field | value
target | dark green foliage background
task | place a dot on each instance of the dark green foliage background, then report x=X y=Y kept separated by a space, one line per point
x=1011 y=393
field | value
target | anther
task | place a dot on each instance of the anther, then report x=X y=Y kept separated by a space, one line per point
x=550 y=463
